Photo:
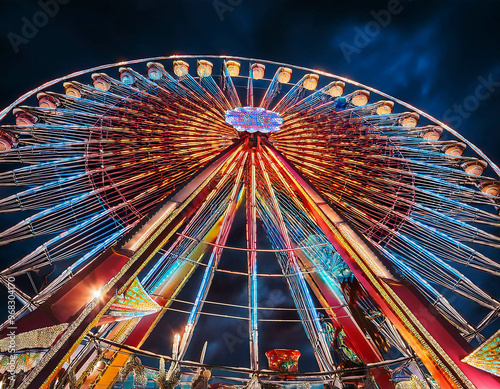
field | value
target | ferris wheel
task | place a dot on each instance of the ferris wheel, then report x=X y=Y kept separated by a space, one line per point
x=160 y=192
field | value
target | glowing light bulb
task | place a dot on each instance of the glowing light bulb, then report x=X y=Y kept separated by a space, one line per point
x=175 y=348
x=100 y=366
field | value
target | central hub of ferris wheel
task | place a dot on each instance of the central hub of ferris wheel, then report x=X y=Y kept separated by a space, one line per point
x=254 y=119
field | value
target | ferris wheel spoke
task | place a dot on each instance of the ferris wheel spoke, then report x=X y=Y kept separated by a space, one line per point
x=211 y=94
x=454 y=201
x=68 y=244
x=63 y=116
x=159 y=82
x=46 y=195
x=425 y=230
x=117 y=112
x=83 y=98
x=65 y=276
x=322 y=100
x=272 y=90
x=86 y=98
x=418 y=150
x=187 y=82
x=55 y=192
x=43 y=137
x=43 y=152
x=144 y=170
x=108 y=102
x=423 y=219
x=295 y=94
x=208 y=83
x=43 y=172
x=138 y=82
x=451 y=178
x=443 y=174
x=157 y=73
x=81 y=220
x=433 y=268
x=449 y=167
x=251 y=235
x=66 y=215
x=228 y=71
x=117 y=87
x=72 y=269
x=116 y=148
x=362 y=193
x=420 y=218
x=437 y=299
x=443 y=246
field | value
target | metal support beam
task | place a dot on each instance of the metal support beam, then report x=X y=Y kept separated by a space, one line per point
x=251 y=211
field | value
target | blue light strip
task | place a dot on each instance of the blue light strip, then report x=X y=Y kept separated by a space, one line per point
x=252 y=264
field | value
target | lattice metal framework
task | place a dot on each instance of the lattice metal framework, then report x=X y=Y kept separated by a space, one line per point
x=368 y=206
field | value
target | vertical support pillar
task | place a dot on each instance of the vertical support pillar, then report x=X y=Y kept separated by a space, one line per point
x=251 y=212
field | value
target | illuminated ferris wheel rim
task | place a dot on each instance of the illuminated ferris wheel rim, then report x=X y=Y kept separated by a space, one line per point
x=402 y=103
x=268 y=180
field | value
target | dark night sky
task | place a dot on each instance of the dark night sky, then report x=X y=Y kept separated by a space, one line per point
x=431 y=54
